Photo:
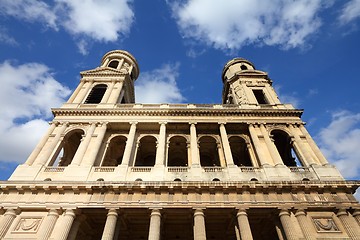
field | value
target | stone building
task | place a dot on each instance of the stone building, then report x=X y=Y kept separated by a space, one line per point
x=110 y=168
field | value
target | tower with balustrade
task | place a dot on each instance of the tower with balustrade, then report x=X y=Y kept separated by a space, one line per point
x=110 y=168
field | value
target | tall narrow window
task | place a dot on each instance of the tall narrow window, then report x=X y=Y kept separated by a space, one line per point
x=209 y=155
x=239 y=151
x=177 y=155
x=287 y=152
x=96 y=94
x=146 y=152
x=260 y=96
x=115 y=151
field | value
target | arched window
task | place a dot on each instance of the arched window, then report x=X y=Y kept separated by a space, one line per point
x=115 y=151
x=283 y=144
x=239 y=151
x=146 y=152
x=209 y=155
x=177 y=153
x=114 y=64
x=66 y=153
x=96 y=94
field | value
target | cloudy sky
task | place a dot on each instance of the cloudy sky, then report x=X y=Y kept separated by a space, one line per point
x=310 y=48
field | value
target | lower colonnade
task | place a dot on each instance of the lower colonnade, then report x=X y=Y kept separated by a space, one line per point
x=155 y=223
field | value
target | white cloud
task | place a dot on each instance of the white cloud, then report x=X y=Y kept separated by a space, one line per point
x=159 y=85
x=350 y=11
x=29 y=10
x=98 y=20
x=27 y=93
x=237 y=23
x=340 y=142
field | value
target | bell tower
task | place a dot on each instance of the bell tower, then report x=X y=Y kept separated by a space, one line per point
x=111 y=83
x=246 y=86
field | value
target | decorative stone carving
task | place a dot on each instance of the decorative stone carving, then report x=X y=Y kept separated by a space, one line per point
x=325 y=225
x=28 y=225
x=240 y=94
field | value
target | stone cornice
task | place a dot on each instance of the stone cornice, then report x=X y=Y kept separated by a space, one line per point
x=103 y=71
x=133 y=110
x=237 y=186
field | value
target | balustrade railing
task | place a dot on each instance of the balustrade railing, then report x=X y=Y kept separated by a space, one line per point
x=213 y=169
x=141 y=169
x=249 y=169
x=178 y=169
x=54 y=169
x=104 y=169
x=299 y=169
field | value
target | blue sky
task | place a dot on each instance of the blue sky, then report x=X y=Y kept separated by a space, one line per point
x=310 y=48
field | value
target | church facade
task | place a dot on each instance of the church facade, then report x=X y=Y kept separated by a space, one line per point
x=110 y=168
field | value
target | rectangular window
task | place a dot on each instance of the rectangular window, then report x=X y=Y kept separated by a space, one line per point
x=260 y=96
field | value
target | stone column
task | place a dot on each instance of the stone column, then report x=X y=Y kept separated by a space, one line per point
x=160 y=151
x=199 y=225
x=110 y=225
x=287 y=224
x=48 y=224
x=116 y=92
x=76 y=92
x=6 y=221
x=221 y=155
x=89 y=161
x=129 y=144
x=259 y=150
x=304 y=224
x=356 y=215
x=155 y=223
x=106 y=96
x=313 y=145
x=244 y=226
x=75 y=227
x=271 y=146
x=195 y=160
x=40 y=145
x=226 y=145
x=305 y=151
x=43 y=156
x=351 y=227
x=84 y=143
x=82 y=94
x=65 y=226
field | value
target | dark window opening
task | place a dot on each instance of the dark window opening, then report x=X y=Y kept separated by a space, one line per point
x=243 y=67
x=115 y=151
x=240 y=152
x=70 y=144
x=209 y=155
x=177 y=155
x=114 y=64
x=96 y=94
x=146 y=152
x=283 y=144
x=260 y=96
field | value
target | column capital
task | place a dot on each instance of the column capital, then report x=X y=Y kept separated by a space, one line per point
x=155 y=211
x=241 y=211
x=113 y=211
x=162 y=122
x=300 y=212
x=341 y=212
x=356 y=212
x=222 y=122
x=284 y=211
x=199 y=211
x=133 y=123
x=192 y=122
x=11 y=211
